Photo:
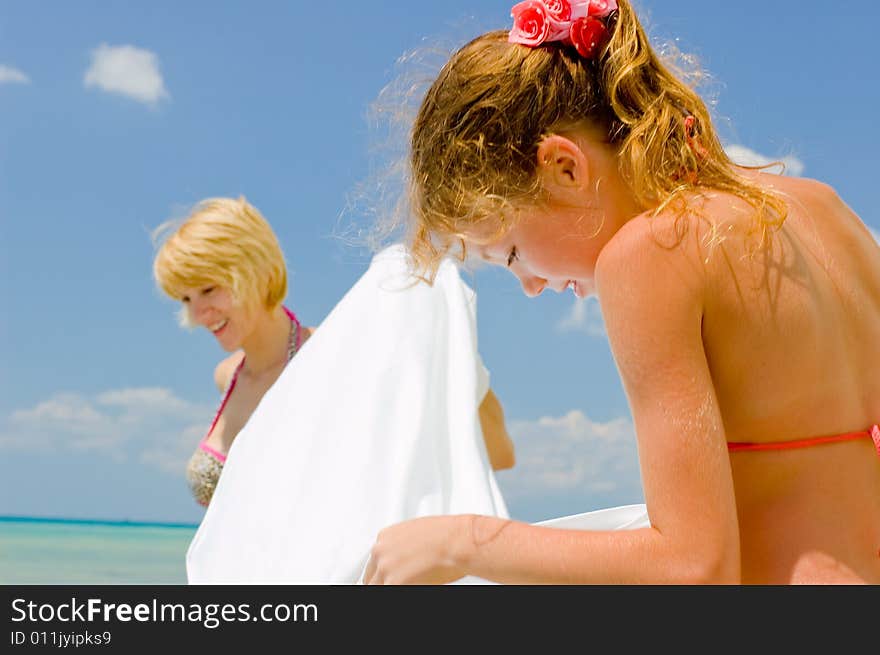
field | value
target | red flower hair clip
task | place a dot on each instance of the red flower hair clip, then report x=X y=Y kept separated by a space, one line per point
x=583 y=24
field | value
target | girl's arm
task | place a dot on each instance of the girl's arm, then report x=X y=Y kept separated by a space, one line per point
x=498 y=443
x=652 y=301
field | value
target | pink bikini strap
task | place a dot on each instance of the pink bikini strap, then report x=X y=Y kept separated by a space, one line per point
x=216 y=453
x=228 y=393
x=202 y=444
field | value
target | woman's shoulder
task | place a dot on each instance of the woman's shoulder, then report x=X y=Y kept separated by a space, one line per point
x=305 y=333
x=224 y=371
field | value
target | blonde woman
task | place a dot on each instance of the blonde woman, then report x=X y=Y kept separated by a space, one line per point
x=742 y=308
x=226 y=267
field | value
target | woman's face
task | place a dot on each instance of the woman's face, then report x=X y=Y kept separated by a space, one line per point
x=214 y=308
x=550 y=248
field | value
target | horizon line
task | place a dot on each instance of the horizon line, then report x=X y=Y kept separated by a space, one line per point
x=83 y=521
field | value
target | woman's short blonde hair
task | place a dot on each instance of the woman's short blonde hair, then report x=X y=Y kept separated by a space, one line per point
x=225 y=242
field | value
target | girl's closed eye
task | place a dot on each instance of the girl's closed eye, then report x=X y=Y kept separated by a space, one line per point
x=512 y=257
x=207 y=290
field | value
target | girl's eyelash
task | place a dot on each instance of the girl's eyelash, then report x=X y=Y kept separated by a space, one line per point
x=512 y=257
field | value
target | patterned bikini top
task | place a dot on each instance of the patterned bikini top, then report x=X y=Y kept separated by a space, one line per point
x=206 y=464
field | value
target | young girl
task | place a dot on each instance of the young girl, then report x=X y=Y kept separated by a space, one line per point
x=224 y=264
x=742 y=308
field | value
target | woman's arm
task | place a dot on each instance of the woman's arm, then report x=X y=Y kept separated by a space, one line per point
x=498 y=442
x=653 y=315
x=225 y=369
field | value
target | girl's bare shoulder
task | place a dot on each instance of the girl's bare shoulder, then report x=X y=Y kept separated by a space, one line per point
x=652 y=245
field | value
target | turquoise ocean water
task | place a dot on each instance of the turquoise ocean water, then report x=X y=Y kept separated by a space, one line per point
x=54 y=551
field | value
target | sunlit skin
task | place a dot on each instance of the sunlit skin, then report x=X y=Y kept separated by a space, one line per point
x=712 y=345
x=261 y=333
x=258 y=334
x=554 y=244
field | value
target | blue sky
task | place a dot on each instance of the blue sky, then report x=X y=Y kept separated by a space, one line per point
x=118 y=116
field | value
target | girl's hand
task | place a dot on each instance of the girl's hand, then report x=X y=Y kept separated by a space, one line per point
x=429 y=550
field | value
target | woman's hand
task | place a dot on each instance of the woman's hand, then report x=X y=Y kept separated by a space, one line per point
x=429 y=550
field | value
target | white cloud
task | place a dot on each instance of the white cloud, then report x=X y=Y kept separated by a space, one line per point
x=573 y=455
x=9 y=75
x=143 y=399
x=63 y=414
x=128 y=71
x=747 y=157
x=150 y=424
x=585 y=316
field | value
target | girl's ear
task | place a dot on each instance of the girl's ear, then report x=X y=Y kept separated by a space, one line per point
x=563 y=168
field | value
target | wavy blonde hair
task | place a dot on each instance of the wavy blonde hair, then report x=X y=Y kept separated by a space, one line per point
x=475 y=139
x=225 y=242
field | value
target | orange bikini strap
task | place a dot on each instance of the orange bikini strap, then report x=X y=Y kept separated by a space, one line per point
x=873 y=432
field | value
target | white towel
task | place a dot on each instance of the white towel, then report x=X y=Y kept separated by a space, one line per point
x=373 y=422
x=622 y=517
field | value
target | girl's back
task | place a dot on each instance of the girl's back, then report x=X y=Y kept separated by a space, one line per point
x=792 y=335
